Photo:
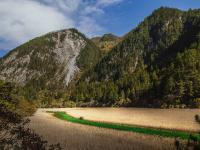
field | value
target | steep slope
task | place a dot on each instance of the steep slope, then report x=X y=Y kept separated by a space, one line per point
x=106 y=42
x=149 y=67
x=50 y=61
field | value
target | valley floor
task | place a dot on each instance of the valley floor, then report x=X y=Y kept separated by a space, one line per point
x=177 y=119
x=77 y=137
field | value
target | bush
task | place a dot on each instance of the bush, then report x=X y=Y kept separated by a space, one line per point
x=197 y=102
x=182 y=106
x=177 y=106
x=81 y=118
x=70 y=104
x=122 y=102
x=14 y=132
x=197 y=118
x=164 y=106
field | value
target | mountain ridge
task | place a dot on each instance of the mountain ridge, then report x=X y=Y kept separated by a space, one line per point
x=56 y=54
x=136 y=70
x=147 y=67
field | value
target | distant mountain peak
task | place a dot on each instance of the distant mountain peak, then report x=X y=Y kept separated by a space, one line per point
x=107 y=41
x=109 y=37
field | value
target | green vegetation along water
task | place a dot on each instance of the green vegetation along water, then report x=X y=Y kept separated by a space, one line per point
x=123 y=127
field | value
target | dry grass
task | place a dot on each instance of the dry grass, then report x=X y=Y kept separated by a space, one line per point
x=179 y=119
x=78 y=137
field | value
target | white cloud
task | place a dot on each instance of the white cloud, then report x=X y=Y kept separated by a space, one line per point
x=108 y=2
x=68 y=6
x=89 y=26
x=92 y=9
x=22 y=20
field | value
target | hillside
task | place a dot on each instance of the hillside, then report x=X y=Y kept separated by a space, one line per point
x=106 y=42
x=156 y=65
x=53 y=61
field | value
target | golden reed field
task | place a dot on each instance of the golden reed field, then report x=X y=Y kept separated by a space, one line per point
x=179 y=119
x=81 y=137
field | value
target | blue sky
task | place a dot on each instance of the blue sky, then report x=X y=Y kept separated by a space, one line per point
x=127 y=15
x=31 y=18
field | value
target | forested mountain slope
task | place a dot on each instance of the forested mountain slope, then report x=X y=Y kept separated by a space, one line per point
x=52 y=61
x=156 y=65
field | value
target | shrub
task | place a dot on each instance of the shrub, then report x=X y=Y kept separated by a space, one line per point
x=81 y=118
x=197 y=118
x=197 y=102
x=177 y=106
x=70 y=104
x=164 y=106
x=182 y=106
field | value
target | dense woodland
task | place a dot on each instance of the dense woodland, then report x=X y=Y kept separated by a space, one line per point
x=156 y=65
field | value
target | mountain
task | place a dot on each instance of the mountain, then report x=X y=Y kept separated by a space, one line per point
x=155 y=65
x=106 y=42
x=52 y=61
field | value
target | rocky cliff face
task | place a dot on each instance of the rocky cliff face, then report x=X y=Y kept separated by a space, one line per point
x=67 y=50
x=48 y=60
